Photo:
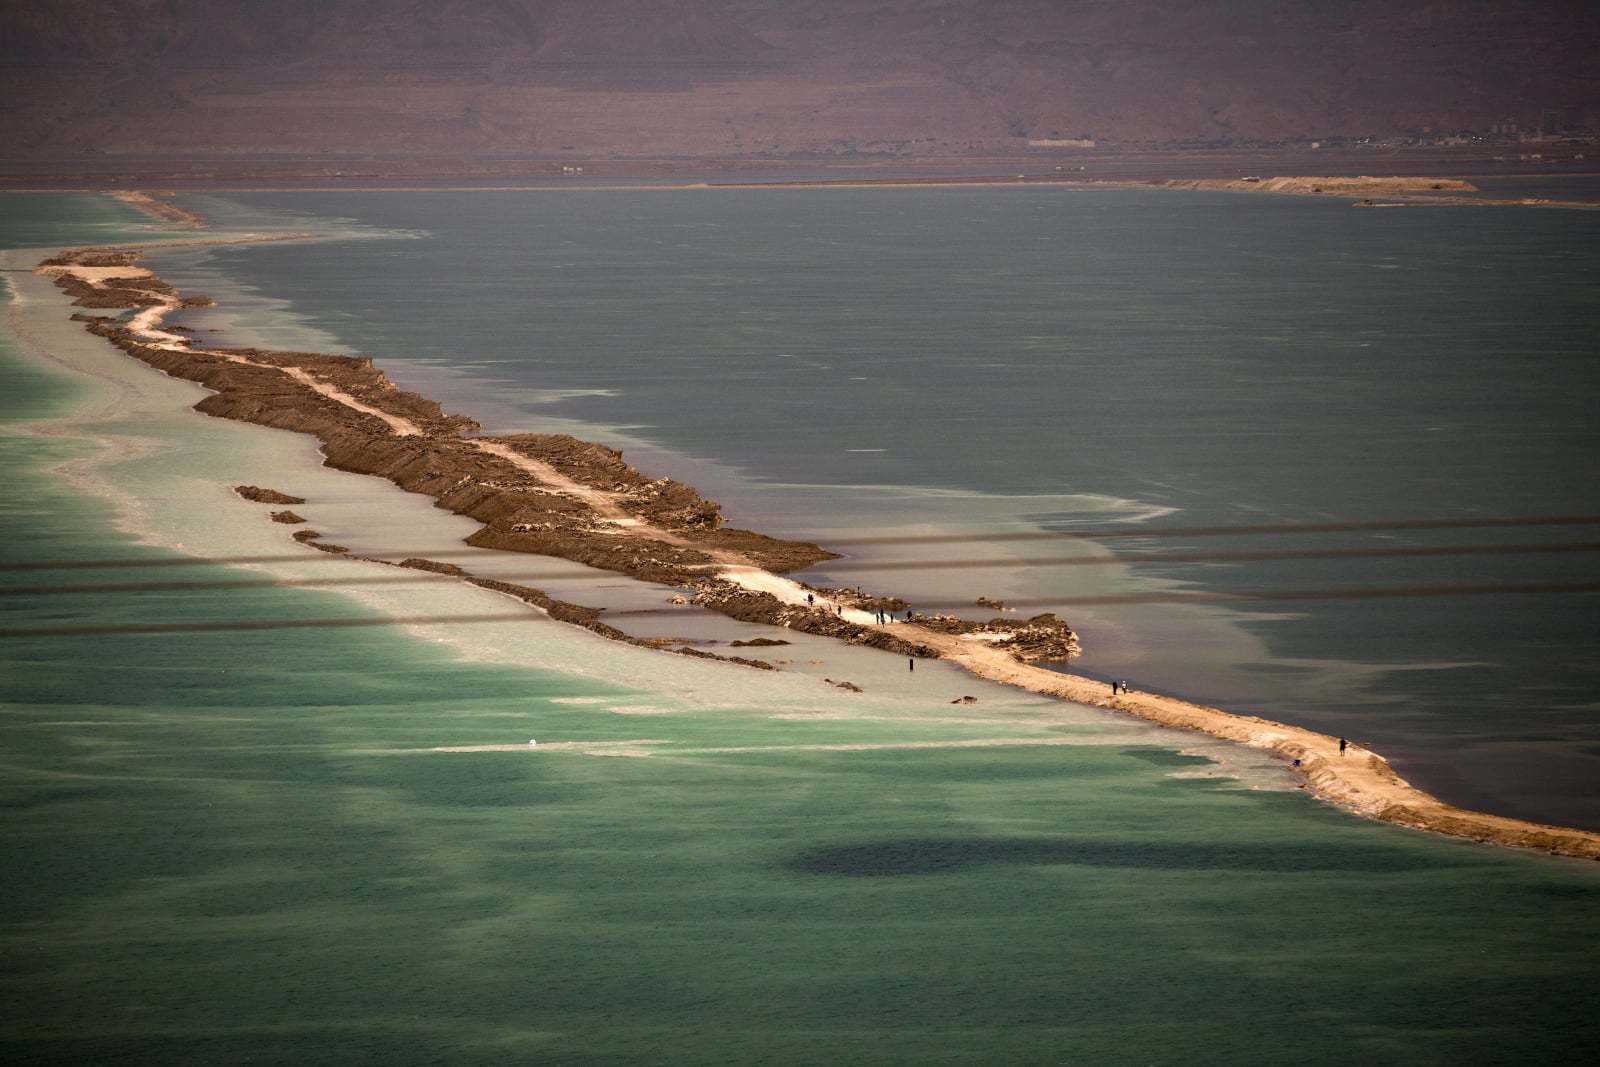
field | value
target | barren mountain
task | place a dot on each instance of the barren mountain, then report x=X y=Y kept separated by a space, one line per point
x=593 y=79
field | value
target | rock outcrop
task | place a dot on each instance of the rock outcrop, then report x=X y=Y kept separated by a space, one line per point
x=266 y=496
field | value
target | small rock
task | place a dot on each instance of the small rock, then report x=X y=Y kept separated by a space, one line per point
x=266 y=496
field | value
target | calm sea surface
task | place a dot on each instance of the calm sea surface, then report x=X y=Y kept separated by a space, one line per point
x=232 y=844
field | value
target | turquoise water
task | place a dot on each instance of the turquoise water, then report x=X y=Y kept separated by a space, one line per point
x=233 y=845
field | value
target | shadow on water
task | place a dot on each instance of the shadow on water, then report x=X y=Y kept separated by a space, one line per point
x=913 y=856
x=1163 y=757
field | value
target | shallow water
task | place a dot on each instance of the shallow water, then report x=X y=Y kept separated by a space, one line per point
x=233 y=844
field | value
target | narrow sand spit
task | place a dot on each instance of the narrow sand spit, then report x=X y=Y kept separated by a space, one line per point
x=147 y=325
x=1355 y=779
x=164 y=210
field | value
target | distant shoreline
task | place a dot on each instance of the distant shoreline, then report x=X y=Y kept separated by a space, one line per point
x=1392 y=191
x=1105 y=162
x=559 y=496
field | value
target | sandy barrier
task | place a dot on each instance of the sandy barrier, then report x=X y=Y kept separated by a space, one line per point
x=156 y=207
x=1347 y=775
x=558 y=496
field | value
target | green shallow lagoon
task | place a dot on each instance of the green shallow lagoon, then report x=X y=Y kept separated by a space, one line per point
x=228 y=847
x=206 y=873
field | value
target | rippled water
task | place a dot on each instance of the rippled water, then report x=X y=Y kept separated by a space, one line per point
x=231 y=844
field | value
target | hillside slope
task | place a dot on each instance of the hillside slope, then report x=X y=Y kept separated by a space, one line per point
x=754 y=78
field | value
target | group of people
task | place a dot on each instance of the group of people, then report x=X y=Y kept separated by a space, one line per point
x=1118 y=687
x=881 y=616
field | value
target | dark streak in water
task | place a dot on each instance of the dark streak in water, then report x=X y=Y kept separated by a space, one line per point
x=932 y=856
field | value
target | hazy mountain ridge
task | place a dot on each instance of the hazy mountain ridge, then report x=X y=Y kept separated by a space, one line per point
x=771 y=77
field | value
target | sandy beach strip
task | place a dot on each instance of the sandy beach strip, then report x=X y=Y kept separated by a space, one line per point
x=1349 y=776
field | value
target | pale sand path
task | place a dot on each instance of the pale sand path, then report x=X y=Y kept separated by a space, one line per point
x=401 y=427
x=1357 y=780
x=789 y=591
x=602 y=503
